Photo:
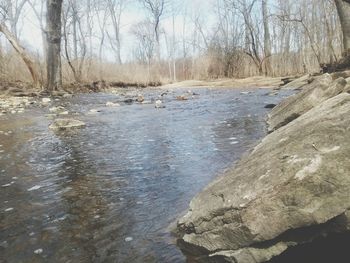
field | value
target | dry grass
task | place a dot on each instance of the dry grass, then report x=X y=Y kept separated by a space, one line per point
x=250 y=82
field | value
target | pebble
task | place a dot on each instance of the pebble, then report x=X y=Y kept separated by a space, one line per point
x=9 y=209
x=46 y=100
x=159 y=104
x=128 y=239
x=139 y=202
x=38 y=251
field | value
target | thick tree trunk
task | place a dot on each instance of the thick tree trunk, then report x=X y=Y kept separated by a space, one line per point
x=54 y=25
x=343 y=7
x=21 y=51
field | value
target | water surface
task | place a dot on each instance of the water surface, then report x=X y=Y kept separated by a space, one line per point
x=109 y=192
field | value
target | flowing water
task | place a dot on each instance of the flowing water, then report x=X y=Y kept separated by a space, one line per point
x=112 y=191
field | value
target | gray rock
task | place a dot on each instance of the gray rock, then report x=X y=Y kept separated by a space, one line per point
x=297 y=178
x=318 y=91
x=140 y=98
x=297 y=83
x=66 y=124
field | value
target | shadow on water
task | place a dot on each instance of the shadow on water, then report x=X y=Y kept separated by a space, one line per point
x=109 y=192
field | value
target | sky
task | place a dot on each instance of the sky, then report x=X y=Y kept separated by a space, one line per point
x=30 y=32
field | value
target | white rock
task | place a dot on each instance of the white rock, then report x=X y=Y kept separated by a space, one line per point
x=46 y=100
x=128 y=239
x=9 y=209
x=38 y=251
x=112 y=104
x=159 y=104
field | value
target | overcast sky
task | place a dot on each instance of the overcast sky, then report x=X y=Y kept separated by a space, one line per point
x=30 y=35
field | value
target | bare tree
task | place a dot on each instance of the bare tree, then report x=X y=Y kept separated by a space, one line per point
x=156 y=9
x=343 y=7
x=116 y=8
x=72 y=18
x=10 y=13
x=22 y=52
x=144 y=52
x=53 y=29
x=11 y=10
x=267 y=37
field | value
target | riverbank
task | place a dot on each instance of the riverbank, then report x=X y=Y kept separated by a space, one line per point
x=251 y=82
x=290 y=190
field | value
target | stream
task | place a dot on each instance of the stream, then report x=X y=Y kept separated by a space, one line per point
x=112 y=191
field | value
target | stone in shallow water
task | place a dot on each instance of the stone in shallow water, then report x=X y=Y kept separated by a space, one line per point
x=66 y=124
x=57 y=109
x=46 y=100
x=38 y=251
x=112 y=104
x=128 y=239
x=159 y=104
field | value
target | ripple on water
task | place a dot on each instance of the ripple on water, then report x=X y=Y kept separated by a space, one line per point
x=110 y=192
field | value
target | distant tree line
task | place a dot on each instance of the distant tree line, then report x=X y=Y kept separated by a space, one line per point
x=249 y=37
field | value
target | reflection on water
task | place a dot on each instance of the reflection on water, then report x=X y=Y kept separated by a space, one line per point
x=109 y=192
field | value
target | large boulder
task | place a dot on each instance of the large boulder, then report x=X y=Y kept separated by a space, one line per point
x=66 y=124
x=292 y=188
x=321 y=89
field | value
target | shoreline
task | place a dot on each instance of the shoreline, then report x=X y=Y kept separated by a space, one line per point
x=25 y=89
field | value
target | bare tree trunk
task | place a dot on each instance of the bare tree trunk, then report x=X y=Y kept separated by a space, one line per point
x=54 y=24
x=267 y=38
x=343 y=7
x=21 y=51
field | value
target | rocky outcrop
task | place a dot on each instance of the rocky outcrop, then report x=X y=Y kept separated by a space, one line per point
x=292 y=188
x=66 y=125
x=321 y=89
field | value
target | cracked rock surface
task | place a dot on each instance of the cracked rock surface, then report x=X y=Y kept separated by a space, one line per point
x=293 y=187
